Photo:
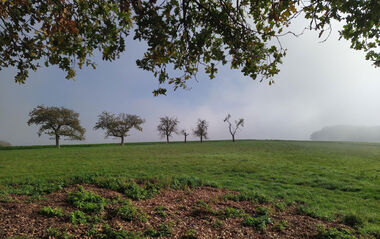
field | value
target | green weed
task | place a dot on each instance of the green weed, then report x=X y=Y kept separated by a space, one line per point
x=86 y=201
x=51 y=212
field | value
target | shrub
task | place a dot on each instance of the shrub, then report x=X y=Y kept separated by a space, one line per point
x=78 y=217
x=51 y=212
x=86 y=201
x=129 y=212
x=334 y=233
x=257 y=222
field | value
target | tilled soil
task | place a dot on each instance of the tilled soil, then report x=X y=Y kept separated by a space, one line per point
x=22 y=218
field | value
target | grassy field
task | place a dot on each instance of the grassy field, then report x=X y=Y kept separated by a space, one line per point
x=326 y=179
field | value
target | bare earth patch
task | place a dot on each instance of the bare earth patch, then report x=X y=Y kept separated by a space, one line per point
x=21 y=216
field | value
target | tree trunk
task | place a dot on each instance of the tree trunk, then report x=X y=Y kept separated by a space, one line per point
x=122 y=141
x=167 y=138
x=201 y=139
x=57 y=141
x=233 y=138
x=185 y=138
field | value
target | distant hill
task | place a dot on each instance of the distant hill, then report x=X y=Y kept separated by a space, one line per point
x=4 y=143
x=348 y=133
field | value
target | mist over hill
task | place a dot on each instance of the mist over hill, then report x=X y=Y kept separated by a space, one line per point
x=4 y=143
x=347 y=133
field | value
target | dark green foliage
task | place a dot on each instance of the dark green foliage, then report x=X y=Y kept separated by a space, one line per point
x=259 y=222
x=5 y=198
x=229 y=212
x=78 y=217
x=217 y=224
x=313 y=212
x=353 y=220
x=280 y=206
x=164 y=230
x=262 y=211
x=280 y=225
x=111 y=233
x=136 y=192
x=129 y=212
x=161 y=211
x=190 y=234
x=334 y=233
x=56 y=234
x=51 y=212
x=35 y=198
x=187 y=182
x=86 y=201
x=202 y=209
x=247 y=196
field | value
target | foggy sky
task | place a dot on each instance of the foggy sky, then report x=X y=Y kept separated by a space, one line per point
x=320 y=84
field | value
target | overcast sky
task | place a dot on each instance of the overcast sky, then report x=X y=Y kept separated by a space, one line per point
x=320 y=84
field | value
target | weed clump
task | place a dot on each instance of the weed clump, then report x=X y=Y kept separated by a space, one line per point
x=230 y=212
x=353 y=220
x=164 y=230
x=108 y=232
x=259 y=222
x=161 y=211
x=129 y=212
x=281 y=225
x=78 y=217
x=334 y=233
x=86 y=201
x=136 y=192
x=202 y=209
x=51 y=212
x=247 y=196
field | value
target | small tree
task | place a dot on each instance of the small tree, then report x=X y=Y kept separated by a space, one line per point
x=167 y=127
x=184 y=133
x=233 y=128
x=118 y=125
x=57 y=122
x=201 y=129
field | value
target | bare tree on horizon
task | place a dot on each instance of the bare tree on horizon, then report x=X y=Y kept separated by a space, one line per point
x=201 y=129
x=184 y=133
x=233 y=128
x=167 y=126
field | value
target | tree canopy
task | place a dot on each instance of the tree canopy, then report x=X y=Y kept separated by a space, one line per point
x=118 y=125
x=183 y=37
x=57 y=122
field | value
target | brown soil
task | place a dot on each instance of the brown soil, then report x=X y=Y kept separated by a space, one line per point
x=21 y=218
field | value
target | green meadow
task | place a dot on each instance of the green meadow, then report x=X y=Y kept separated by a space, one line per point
x=329 y=180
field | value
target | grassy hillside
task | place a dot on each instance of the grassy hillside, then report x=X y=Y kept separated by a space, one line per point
x=326 y=179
